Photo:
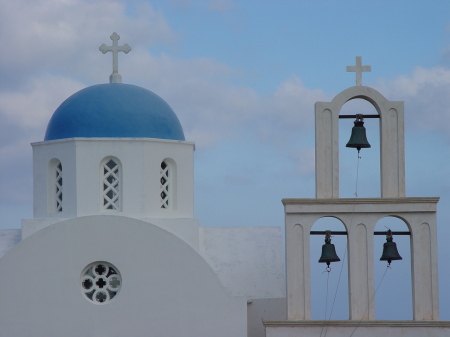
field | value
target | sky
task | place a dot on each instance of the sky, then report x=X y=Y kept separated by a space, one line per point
x=242 y=77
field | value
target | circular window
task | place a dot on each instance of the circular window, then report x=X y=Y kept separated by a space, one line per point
x=100 y=282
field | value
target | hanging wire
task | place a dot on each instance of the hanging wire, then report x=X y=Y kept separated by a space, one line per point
x=370 y=302
x=345 y=255
x=335 y=294
x=326 y=297
x=357 y=178
x=326 y=300
x=339 y=281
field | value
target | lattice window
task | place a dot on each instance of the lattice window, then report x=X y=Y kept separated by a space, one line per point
x=100 y=282
x=165 y=185
x=58 y=188
x=54 y=186
x=111 y=185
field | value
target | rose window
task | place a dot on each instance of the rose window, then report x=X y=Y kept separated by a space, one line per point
x=100 y=282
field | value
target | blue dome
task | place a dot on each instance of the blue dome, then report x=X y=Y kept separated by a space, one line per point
x=114 y=110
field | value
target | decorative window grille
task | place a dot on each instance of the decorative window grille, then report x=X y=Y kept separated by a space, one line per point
x=54 y=187
x=100 y=282
x=111 y=185
x=165 y=185
x=58 y=187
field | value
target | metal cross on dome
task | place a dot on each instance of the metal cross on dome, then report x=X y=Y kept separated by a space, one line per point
x=358 y=69
x=115 y=48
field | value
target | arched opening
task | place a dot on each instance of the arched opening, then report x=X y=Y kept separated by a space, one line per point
x=54 y=186
x=167 y=184
x=331 y=303
x=111 y=184
x=368 y=172
x=393 y=297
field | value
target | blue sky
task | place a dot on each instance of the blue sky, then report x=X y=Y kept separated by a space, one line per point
x=272 y=40
x=243 y=77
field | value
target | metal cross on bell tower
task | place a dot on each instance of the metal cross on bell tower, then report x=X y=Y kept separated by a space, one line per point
x=115 y=48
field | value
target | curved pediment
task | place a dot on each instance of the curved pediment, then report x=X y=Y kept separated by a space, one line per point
x=166 y=287
x=360 y=92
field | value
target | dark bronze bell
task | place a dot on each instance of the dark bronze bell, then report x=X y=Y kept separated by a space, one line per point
x=358 y=138
x=390 y=252
x=328 y=251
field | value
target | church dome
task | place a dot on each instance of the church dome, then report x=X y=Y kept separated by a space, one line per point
x=114 y=110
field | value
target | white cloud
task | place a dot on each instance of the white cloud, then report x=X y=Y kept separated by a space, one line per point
x=304 y=160
x=63 y=35
x=24 y=114
x=56 y=44
x=292 y=105
x=32 y=106
x=52 y=52
x=199 y=91
x=13 y=152
x=426 y=96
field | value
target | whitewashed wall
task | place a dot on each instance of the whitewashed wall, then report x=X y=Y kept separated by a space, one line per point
x=167 y=288
x=140 y=181
x=248 y=260
x=8 y=239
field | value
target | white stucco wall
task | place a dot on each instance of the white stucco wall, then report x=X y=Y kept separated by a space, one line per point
x=358 y=329
x=31 y=226
x=140 y=177
x=267 y=309
x=248 y=260
x=184 y=228
x=8 y=239
x=392 y=147
x=360 y=216
x=167 y=287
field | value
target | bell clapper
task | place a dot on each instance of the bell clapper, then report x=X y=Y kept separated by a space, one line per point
x=328 y=241
x=389 y=238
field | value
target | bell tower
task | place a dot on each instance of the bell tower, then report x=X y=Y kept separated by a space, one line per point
x=392 y=145
x=359 y=216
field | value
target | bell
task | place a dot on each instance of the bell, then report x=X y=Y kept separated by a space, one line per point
x=328 y=251
x=358 y=138
x=390 y=252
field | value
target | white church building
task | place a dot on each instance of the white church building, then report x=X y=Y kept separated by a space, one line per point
x=114 y=249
